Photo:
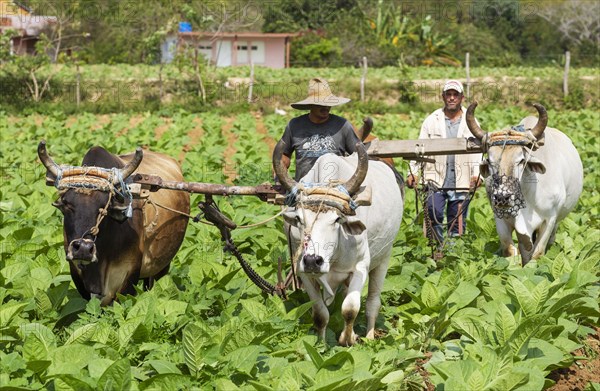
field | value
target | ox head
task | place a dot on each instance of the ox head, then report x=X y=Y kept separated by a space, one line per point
x=87 y=195
x=509 y=158
x=322 y=217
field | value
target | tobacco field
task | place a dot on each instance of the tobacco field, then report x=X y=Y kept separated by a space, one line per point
x=473 y=321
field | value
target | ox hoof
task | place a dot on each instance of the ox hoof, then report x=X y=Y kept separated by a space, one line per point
x=348 y=340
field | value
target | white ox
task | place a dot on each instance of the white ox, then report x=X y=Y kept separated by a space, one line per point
x=534 y=179
x=339 y=247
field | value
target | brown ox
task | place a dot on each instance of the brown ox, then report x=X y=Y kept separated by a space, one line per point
x=111 y=240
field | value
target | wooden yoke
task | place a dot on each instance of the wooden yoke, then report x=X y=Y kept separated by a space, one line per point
x=417 y=149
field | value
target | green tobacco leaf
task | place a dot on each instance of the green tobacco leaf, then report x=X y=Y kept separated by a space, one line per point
x=71 y=383
x=464 y=294
x=334 y=371
x=540 y=295
x=430 y=295
x=244 y=359
x=69 y=359
x=194 y=341
x=116 y=377
x=505 y=324
x=82 y=334
x=315 y=357
x=524 y=332
x=128 y=329
x=471 y=326
x=543 y=354
x=43 y=303
x=509 y=380
x=162 y=366
x=522 y=296
x=297 y=312
x=393 y=377
x=9 y=311
x=39 y=342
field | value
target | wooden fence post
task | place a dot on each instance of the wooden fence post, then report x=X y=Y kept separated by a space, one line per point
x=251 y=80
x=566 y=75
x=363 y=79
x=78 y=86
x=468 y=76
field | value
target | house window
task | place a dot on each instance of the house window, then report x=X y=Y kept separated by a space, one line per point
x=257 y=49
x=205 y=48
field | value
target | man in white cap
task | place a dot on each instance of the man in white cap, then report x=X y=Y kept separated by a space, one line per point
x=318 y=132
x=451 y=176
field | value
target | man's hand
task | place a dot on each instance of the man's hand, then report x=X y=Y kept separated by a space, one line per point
x=411 y=181
x=475 y=182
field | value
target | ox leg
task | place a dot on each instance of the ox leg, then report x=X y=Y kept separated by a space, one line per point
x=320 y=312
x=376 y=278
x=507 y=246
x=351 y=304
x=525 y=248
x=149 y=282
x=545 y=232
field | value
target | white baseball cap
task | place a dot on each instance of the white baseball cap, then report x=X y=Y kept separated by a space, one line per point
x=453 y=85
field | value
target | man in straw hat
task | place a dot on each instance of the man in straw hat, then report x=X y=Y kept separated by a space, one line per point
x=451 y=176
x=318 y=132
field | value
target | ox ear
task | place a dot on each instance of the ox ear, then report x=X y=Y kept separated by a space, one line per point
x=484 y=168
x=353 y=226
x=118 y=212
x=536 y=165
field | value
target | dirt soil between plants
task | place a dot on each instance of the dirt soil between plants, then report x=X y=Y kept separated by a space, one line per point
x=582 y=372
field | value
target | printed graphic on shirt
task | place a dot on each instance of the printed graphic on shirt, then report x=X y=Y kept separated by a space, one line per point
x=318 y=145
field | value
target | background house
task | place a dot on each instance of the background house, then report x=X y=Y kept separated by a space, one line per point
x=16 y=16
x=231 y=49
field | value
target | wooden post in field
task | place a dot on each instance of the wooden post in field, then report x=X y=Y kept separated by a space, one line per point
x=78 y=86
x=160 y=82
x=251 y=80
x=363 y=79
x=566 y=75
x=468 y=75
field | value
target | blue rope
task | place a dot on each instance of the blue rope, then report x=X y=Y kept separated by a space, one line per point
x=125 y=193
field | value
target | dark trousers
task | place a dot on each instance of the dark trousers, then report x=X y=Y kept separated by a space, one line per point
x=436 y=204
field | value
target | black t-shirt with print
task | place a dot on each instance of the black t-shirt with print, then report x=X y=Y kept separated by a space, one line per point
x=311 y=140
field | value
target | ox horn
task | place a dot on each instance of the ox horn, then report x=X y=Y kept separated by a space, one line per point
x=131 y=166
x=47 y=161
x=472 y=124
x=365 y=129
x=353 y=184
x=539 y=128
x=286 y=182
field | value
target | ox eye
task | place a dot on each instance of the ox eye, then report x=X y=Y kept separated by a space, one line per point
x=58 y=204
x=340 y=220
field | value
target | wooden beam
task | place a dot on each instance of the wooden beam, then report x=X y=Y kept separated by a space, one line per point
x=414 y=149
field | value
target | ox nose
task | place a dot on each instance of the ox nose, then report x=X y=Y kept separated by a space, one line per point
x=82 y=249
x=312 y=263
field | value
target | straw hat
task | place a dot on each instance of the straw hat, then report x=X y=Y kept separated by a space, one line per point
x=319 y=93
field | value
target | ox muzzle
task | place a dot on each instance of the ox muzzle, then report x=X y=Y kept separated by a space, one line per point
x=82 y=252
x=505 y=196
